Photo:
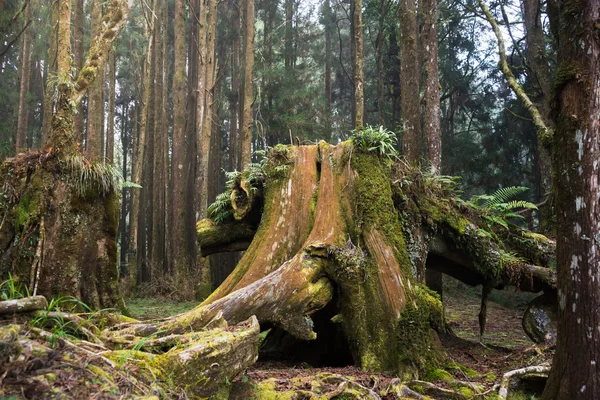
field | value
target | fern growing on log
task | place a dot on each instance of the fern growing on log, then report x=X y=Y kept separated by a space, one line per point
x=498 y=207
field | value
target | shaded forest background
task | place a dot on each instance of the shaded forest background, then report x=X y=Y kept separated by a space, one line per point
x=186 y=85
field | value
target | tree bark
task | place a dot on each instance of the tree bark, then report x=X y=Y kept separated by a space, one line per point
x=206 y=133
x=358 y=64
x=78 y=53
x=201 y=20
x=541 y=80
x=112 y=94
x=234 y=133
x=157 y=254
x=328 y=25
x=289 y=35
x=409 y=82
x=246 y=132
x=94 y=148
x=179 y=250
x=25 y=75
x=50 y=70
x=140 y=159
x=431 y=90
x=574 y=373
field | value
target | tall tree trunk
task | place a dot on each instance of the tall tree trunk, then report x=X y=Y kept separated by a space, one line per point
x=179 y=251
x=50 y=71
x=157 y=221
x=289 y=35
x=78 y=35
x=137 y=230
x=165 y=181
x=541 y=80
x=25 y=76
x=379 y=63
x=575 y=369
x=94 y=149
x=431 y=90
x=190 y=129
x=358 y=64
x=328 y=22
x=146 y=214
x=112 y=94
x=234 y=134
x=125 y=137
x=207 y=126
x=201 y=106
x=431 y=117
x=409 y=82
x=246 y=140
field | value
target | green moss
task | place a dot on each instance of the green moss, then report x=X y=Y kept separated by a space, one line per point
x=266 y=391
x=467 y=371
x=415 y=348
x=467 y=392
x=439 y=375
x=26 y=211
x=490 y=377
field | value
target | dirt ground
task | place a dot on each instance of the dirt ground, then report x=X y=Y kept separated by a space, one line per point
x=472 y=368
x=479 y=364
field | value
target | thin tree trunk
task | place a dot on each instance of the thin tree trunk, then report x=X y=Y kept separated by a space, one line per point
x=25 y=75
x=328 y=64
x=208 y=122
x=112 y=93
x=180 y=256
x=200 y=107
x=165 y=181
x=157 y=221
x=190 y=140
x=574 y=373
x=289 y=32
x=78 y=35
x=431 y=90
x=409 y=82
x=137 y=230
x=234 y=135
x=246 y=140
x=358 y=62
x=124 y=194
x=379 y=64
x=94 y=149
x=50 y=70
x=541 y=79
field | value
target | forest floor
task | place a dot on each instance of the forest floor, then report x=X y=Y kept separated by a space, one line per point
x=57 y=370
x=477 y=364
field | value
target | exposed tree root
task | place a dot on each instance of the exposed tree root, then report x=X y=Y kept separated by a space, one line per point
x=539 y=369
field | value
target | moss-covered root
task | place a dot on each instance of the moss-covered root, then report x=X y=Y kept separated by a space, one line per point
x=219 y=238
x=206 y=364
x=285 y=297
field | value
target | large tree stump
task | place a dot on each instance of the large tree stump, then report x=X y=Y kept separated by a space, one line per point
x=342 y=227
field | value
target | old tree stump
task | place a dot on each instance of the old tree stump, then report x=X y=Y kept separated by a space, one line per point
x=336 y=239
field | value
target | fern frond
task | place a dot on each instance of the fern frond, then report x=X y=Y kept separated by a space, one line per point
x=503 y=195
x=521 y=204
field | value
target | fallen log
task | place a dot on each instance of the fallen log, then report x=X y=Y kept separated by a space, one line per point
x=26 y=304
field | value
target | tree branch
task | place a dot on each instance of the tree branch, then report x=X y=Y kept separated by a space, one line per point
x=112 y=23
x=544 y=132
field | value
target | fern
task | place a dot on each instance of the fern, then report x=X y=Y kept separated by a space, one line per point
x=503 y=195
x=220 y=211
x=498 y=208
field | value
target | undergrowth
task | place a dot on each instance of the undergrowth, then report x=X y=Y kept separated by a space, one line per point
x=376 y=139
